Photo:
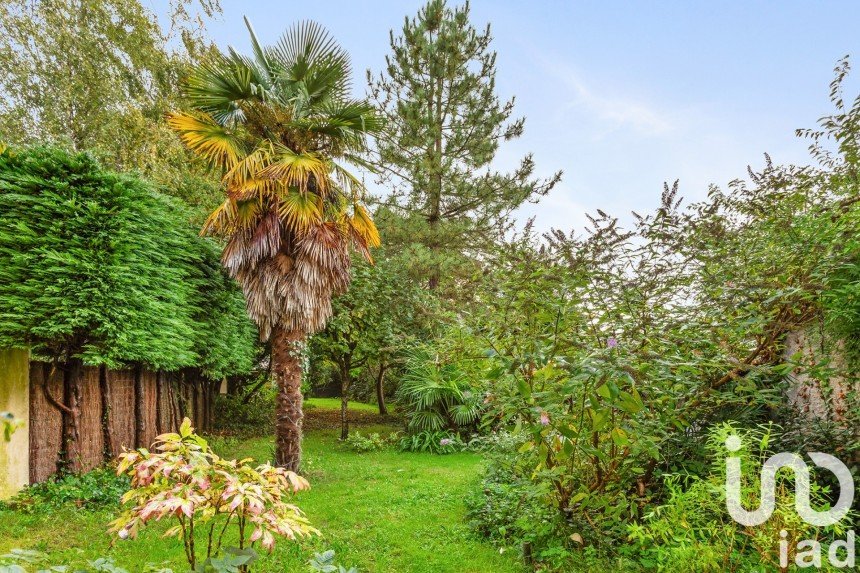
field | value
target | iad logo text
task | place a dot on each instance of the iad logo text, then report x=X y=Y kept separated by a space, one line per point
x=809 y=552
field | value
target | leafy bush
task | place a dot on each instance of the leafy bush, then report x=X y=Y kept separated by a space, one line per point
x=324 y=563
x=187 y=481
x=22 y=560
x=515 y=513
x=435 y=394
x=238 y=416
x=92 y=490
x=102 y=267
x=438 y=442
x=693 y=533
x=370 y=443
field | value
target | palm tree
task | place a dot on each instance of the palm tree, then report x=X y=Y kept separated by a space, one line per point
x=279 y=124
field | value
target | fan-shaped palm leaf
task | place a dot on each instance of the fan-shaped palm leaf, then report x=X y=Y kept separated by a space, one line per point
x=204 y=136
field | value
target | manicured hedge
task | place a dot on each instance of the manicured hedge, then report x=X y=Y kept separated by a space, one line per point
x=100 y=266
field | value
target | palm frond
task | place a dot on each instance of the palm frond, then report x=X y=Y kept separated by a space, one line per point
x=300 y=210
x=297 y=169
x=220 y=219
x=202 y=135
x=364 y=226
x=248 y=169
x=306 y=54
x=216 y=87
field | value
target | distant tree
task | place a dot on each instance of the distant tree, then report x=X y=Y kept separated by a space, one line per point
x=99 y=75
x=277 y=124
x=373 y=324
x=444 y=126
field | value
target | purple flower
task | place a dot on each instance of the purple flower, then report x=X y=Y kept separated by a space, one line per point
x=612 y=342
x=446 y=442
x=544 y=419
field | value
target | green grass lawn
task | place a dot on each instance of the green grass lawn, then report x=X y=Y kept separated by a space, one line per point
x=381 y=512
x=334 y=404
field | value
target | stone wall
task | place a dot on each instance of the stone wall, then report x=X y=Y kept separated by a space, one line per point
x=824 y=384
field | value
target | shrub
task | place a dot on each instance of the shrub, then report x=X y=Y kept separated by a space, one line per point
x=92 y=490
x=238 y=416
x=435 y=394
x=438 y=442
x=370 y=443
x=187 y=481
x=693 y=533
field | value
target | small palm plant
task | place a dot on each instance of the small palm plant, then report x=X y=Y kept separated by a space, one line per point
x=436 y=395
x=279 y=124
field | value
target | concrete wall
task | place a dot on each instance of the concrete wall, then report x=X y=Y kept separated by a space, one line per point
x=15 y=398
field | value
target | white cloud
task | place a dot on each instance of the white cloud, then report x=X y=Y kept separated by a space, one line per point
x=614 y=111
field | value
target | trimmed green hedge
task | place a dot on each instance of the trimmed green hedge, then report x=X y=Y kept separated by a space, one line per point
x=100 y=266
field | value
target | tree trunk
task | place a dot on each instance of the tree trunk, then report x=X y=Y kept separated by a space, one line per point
x=107 y=436
x=159 y=398
x=287 y=370
x=139 y=409
x=72 y=416
x=345 y=382
x=380 y=390
x=437 y=181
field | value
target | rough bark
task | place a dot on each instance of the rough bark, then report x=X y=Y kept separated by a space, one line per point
x=159 y=397
x=139 y=407
x=107 y=436
x=345 y=382
x=72 y=416
x=287 y=371
x=380 y=390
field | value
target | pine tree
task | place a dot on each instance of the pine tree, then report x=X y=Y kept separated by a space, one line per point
x=445 y=124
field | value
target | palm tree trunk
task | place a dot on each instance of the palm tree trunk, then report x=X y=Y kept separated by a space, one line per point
x=287 y=370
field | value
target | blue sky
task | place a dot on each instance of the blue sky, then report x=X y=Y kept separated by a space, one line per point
x=622 y=95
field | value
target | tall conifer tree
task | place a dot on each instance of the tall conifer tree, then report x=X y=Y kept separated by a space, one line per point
x=445 y=124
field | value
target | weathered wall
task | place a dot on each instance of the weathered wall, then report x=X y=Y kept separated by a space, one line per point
x=824 y=384
x=14 y=398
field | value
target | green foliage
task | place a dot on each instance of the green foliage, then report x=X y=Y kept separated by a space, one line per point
x=431 y=442
x=374 y=324
x=92 y=491
x=99 y=266
x=21 y=560
x=435 y=394
x=233 y=560
x=126 y=69
x=609 y=355
x=325 y=563
x=372 y=442
x=236 y=415
x=444 y=126
x=693 y=533
x=516 y=513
